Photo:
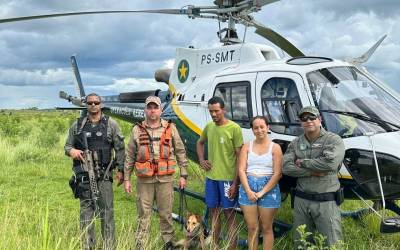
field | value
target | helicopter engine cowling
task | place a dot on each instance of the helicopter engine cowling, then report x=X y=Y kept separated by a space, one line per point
x=137 y=97
x=162 y=75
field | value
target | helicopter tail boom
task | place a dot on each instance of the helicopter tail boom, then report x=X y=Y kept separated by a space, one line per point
x=79 y=86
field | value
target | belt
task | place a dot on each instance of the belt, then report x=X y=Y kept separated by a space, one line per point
x=85 y=178
x=330 y=196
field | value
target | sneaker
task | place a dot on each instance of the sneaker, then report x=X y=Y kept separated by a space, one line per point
x=168 y=246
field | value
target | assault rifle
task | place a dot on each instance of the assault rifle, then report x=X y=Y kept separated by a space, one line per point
x=91 y=166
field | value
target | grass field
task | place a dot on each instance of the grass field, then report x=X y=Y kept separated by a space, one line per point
x=37 y=210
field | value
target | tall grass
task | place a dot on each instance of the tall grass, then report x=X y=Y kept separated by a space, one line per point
x=37 y=210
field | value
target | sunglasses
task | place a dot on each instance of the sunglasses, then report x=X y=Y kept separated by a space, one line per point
x=91 y=103
x=308 y=117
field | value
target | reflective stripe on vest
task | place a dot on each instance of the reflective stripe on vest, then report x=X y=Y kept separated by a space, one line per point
x=145 y=166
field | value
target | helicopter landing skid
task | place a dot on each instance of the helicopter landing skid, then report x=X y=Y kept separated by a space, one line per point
x=357 y=214
x=388 y=225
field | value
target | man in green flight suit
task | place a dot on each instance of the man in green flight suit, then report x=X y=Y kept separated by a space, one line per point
x=103 y=137
x=315 y=159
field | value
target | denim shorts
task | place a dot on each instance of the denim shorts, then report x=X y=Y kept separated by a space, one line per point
x=272 y=199
x=217 y=194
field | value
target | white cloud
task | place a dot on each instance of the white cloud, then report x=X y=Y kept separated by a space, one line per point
x=169 y=64
x=32 y=96
x=35 y=77
x=121 y=52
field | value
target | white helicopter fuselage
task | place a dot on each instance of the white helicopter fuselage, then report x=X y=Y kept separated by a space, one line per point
x=254 y=80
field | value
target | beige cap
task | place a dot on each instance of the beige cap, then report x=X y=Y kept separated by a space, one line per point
x=153 y=99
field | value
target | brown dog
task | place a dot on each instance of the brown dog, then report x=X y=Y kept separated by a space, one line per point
x=194 y=232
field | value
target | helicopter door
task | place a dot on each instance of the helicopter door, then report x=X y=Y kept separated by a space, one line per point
x=280 y=96
x=236 y=91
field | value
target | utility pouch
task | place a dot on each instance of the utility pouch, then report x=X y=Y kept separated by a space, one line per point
x=83 y=190
x=339 y=196
x=144 y=169
x=80 y=186
x=73 y=184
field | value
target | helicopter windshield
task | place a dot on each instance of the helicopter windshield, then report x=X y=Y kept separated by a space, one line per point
x=359 y=104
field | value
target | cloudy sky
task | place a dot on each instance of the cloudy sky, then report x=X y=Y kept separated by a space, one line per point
x=119 y=53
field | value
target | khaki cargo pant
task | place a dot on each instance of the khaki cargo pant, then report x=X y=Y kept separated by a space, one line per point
x=147 y=193
x=105 y=212
x=322 y=217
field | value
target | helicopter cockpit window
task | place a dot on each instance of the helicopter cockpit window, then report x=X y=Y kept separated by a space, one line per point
x=237 y=101
x=353 y=104
x=281 y=103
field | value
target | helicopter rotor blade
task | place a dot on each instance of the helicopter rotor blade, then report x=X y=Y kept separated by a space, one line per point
x=277 y=39
x=258 y=3
x=192 y=12
x=261 y=3
x=182 y=11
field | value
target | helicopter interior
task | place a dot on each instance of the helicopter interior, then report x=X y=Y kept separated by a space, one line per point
x=281 y=104
x=280 y=100
x=236 y=97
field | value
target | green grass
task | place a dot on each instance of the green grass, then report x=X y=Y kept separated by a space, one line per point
x=37 y=210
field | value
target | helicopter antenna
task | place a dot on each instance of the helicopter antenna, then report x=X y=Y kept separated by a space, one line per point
x=219 y=30
x=245 y=32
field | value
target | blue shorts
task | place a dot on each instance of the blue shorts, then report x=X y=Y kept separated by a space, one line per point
x=217 y=194
x=272 y=199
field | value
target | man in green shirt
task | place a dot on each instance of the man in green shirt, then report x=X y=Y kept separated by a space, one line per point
x=224 y=139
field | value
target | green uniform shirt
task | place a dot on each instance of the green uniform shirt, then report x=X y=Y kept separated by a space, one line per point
x=222 y=142
x=324 y=154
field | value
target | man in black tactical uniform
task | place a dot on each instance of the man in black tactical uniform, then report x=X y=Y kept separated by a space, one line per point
x=102 y=136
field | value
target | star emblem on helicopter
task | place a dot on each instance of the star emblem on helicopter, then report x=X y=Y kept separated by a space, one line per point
x=183 y=71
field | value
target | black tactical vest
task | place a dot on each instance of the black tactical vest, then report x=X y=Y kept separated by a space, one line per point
x=96 y=135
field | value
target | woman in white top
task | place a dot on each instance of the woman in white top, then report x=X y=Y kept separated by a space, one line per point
x=260 y=168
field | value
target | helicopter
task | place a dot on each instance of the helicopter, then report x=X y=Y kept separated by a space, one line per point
x=253 y=79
